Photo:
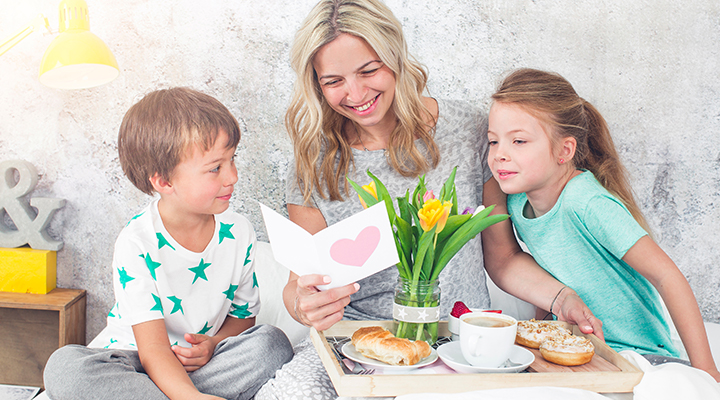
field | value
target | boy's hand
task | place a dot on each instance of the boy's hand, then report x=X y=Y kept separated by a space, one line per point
x=199 y=354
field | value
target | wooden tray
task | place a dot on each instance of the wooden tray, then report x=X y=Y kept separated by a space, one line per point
x=608 y=372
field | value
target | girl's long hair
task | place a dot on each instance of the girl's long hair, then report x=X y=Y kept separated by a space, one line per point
x=314 y=127
x=552 y=99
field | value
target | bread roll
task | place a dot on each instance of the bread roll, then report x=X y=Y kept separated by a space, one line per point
x=567 y=350
x=532 y=333
x=380 y=344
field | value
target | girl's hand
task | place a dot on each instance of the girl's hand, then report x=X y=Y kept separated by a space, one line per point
x=574 y=311
x=203 y=347
x=321 y=309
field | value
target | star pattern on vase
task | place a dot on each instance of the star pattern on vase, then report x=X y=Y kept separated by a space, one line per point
x=177 y=306
x=240 y=311
x=158 y=304
x=225 y=232
x=162 y=241
x=199 y=271
x=247 y=255
x=124 y=277
x=401 y=313
x=422 y=314
x=205 y=329
x=230 y=292
x=151 y=265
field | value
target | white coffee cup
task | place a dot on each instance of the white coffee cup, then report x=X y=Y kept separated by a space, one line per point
x=486 y=339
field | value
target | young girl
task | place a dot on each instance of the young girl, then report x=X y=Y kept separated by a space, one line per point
x=571 y=203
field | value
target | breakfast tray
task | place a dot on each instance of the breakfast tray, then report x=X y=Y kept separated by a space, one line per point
x=608 y=372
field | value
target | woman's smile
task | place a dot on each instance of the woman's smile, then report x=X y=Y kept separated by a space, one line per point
x=363 y=108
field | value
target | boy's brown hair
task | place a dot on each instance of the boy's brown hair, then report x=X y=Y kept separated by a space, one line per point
x=157 y=132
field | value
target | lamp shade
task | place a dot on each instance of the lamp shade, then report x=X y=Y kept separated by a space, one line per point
x=76 y=58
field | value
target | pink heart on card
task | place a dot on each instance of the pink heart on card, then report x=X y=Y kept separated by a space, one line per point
x=356 y=252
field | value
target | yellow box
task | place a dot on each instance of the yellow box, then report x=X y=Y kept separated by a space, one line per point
x=26 y=270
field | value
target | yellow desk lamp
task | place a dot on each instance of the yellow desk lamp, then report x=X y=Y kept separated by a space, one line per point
x=76 y=58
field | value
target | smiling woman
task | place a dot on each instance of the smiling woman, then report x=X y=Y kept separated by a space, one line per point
x=359 y=104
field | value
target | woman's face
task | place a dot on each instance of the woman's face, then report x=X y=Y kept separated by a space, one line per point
x=355 y=82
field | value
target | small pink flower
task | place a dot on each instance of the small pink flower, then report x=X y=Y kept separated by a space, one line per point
x=428 y=195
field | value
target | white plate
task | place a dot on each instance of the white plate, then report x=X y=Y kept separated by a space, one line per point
x=452 y=356
x=349 y=350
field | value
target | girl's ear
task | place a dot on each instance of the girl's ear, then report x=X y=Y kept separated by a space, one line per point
x=160 y=184
x=567 y=151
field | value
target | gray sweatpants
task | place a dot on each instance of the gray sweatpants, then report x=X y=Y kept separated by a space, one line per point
x=238 y=368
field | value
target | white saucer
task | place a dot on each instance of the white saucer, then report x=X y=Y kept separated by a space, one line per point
x=348 y=349
x=452 y=356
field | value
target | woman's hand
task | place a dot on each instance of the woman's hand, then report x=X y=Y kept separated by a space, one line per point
x=320 y=309
x=570 y=308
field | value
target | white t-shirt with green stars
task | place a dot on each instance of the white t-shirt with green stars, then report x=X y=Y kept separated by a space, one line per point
x=156 y=278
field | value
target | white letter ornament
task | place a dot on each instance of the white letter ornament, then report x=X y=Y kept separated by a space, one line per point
x=30 y=225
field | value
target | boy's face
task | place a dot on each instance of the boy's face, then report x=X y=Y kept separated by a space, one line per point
x=203 y=182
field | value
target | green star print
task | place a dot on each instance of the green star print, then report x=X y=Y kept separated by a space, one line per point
x=240 y=311
x=158 y=304
x=176 y=305
x=225 y=232
x=162 y=241
x=152 y=265
x=255 y=284
x=124 y=277
x=135 y=217
x=200 y=270
x=205 y=329
x=247 y=255
x=230 y=293
x=111 y=314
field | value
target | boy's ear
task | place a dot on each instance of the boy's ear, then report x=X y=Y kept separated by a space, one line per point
x=160 y=184
x=567 y=151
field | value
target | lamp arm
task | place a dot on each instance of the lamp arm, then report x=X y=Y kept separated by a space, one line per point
x=37 y=24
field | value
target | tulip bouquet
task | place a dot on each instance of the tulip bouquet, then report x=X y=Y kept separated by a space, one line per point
x=428 y=232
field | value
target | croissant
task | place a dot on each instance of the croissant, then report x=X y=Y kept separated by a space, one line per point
x=380 y=344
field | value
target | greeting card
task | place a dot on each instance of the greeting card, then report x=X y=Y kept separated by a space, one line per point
x=347 y=251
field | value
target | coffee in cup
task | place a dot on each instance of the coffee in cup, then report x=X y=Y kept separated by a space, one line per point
x=486 y=339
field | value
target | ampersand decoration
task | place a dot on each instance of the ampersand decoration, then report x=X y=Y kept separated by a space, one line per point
x=30 y=224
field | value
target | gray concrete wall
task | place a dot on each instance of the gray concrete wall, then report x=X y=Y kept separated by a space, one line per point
x=650 y=67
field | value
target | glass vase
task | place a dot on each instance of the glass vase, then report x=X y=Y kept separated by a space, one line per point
x=416 y=310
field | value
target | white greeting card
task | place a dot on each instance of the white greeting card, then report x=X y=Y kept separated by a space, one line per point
x=347 y=251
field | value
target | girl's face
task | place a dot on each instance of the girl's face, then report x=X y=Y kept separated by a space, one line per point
x=521 y=155
x=355 y=82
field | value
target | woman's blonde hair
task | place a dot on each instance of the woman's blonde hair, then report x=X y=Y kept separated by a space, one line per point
x=551 y=98
x=314 y=127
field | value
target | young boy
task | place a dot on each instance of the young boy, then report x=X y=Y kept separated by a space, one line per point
x=183 y=272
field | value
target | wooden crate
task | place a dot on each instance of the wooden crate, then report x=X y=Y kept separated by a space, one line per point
x=610 y=373
x=32 y=327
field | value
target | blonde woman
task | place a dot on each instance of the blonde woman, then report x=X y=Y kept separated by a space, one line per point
x=359 y=104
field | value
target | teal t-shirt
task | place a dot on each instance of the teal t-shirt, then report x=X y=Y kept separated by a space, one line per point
x=581 y=242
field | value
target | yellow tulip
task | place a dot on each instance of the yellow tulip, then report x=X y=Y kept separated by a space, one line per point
x=434 y=212
x=370 y=189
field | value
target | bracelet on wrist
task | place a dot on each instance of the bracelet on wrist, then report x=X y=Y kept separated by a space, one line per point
x=556 y=297
x=297 y=314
